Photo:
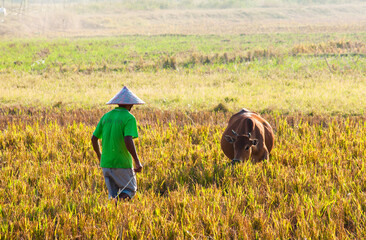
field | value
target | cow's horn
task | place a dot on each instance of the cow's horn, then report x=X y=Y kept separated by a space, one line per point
x=235 y=133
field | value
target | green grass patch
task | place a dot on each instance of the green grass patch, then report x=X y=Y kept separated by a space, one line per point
x=266 y=73
x=149 y=53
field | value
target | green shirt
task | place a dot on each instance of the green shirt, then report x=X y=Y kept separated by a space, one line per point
x=112 y=128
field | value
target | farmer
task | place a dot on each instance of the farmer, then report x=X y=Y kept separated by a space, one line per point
x=117 y=129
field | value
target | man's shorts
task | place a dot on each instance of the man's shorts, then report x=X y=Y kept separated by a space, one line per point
x=119 y=178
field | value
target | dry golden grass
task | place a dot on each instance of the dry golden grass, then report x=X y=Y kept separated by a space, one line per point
x=313 y=185
x=106 y=19
x=306 y=91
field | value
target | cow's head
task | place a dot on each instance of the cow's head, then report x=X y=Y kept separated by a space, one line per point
x=242 y=146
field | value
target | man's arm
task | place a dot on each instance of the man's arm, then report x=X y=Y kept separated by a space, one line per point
x=96 y=147
x=130 y=145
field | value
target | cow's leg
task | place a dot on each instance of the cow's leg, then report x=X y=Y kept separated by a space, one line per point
x=265 y=154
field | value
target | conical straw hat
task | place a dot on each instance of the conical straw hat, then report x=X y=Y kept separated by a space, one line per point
x=125 y=97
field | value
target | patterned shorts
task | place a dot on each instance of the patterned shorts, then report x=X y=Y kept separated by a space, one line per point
x=119 y=178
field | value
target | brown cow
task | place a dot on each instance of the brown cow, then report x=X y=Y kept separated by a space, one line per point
x=247 y=135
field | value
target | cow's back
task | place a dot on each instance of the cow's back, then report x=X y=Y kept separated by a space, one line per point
x=238 y=115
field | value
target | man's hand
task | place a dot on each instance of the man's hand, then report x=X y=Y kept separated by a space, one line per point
x=138 y=167
x=130 y=145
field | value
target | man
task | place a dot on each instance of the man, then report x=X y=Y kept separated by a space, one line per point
x=117 y=129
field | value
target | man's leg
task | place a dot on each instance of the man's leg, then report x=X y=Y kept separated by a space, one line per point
x=124 y=196
x=126 y=181
x=111 y=185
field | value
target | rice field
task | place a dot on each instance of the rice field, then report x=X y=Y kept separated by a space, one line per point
x=313 y=185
